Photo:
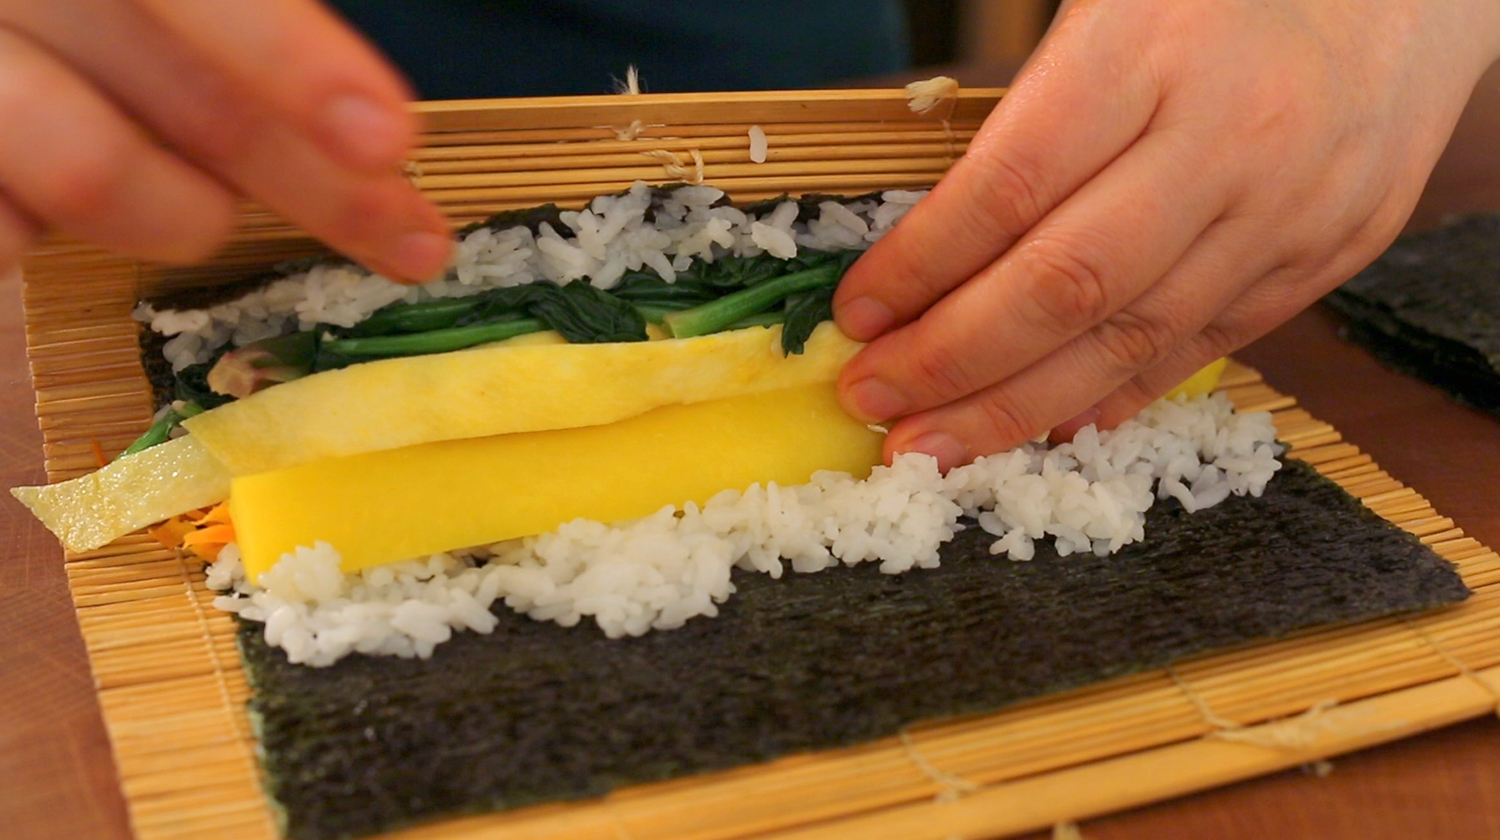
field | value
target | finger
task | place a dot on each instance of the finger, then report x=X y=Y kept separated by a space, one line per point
x=380 y=222
x=1145 y=387
x=81 y=166
x=1078 y=104
x=17 y=233
x=376 y=218
x=1243 y=320
x=1244 y=311
x=1149 y=332
x=302 y=61
x=1102 y=248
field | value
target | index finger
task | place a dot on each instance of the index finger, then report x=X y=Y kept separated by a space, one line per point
x=1027 y=158
x=303 y=61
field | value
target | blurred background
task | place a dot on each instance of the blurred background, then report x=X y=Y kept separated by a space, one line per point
x=978 y=32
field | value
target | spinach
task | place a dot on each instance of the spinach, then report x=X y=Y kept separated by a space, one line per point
x=804 y=312
x=728 y=293
x=585 y=314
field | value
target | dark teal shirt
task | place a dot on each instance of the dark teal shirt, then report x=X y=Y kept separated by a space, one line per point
x=455 y=49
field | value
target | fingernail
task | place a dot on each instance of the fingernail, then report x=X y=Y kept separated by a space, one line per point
x=865 y=318
x=874 y=400
x=942 y=446
x=420 y=256
x=1085 y=417
x=368 y=133
x=1065 y=431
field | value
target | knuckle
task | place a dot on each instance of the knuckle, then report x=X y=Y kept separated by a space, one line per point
x=1067 y=285
x=83 y=181
x=1003 y=421
x=66 y=180
x=1260 y=309
x=1381 y=228
x=1221 y=339
x=941 y=371
x=222 y=126
x=1267 y=105
x=1134 y=341
x=910 y=282
x=1008 y=193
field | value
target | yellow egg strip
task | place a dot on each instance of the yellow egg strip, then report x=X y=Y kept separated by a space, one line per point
x=488 y=391
x=129 y=493
x=1202 y=382
x=381 y=507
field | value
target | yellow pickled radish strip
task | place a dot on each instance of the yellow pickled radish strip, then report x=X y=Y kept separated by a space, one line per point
x=129 y=493
x=488 y=391
x=386 y=506
x=1202 y=382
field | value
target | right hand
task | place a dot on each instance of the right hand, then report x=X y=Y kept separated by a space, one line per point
x=135 y=124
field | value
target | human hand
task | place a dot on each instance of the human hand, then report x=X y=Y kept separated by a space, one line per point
x=134 y=124
x=1166 y=181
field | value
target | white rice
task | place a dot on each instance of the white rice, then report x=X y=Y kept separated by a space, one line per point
x=759 y=146
x=658 y=572
x=601 y=242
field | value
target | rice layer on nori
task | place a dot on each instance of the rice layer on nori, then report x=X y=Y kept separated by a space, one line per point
x=537 y=712
x=1430 y=307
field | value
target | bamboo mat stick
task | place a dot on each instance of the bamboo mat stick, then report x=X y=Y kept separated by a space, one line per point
x=646 y=132
x=805 y=145
x=1130 y=781
x=787 y=159
x=439 y=140
x=640 y=168
x=1143 y=716
x=692 y=108
x=166 y=663
x=459 y=203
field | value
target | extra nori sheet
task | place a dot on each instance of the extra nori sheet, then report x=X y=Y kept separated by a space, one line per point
x=1430 y=308
x=537 y=712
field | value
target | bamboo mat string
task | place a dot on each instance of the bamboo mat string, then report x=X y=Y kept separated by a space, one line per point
x=953 y=786
x=1066 y=831
x=926 y=96
x=950 y=144
x=629 y=132
x=1289 y=734
x=1463 y=669
x=1319 y=769
x=630 y=87
x=1204 y=710
x=676 y=167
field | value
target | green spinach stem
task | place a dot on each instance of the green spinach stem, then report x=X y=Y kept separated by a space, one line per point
x=433 y=341
x=716 y=315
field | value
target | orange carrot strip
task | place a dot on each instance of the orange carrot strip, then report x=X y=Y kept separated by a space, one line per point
x=211 y=534
x=216 y=515
x=170 y=532
x=209 y=551
x=98 y=452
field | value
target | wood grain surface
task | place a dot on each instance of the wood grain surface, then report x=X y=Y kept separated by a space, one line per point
x=57 y=777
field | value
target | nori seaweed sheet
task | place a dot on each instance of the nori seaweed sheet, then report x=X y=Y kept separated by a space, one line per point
x=538 y=712
x=1430 y=308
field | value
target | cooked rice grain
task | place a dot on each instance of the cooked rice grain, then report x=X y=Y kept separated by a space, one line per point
x=600 y=242
x=658 y=572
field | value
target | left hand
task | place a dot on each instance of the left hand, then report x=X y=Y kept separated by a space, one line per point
x=1166 y=181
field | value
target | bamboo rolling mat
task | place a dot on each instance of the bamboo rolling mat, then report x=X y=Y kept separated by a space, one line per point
x=173 y=693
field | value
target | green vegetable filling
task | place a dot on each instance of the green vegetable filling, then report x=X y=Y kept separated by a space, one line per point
x=730 y=293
